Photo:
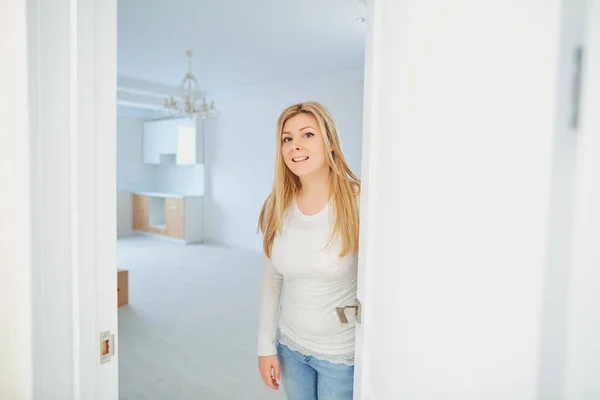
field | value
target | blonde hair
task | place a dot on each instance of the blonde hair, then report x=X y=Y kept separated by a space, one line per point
x=344 y=185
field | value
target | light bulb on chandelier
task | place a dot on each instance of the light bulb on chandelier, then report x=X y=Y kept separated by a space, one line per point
x=190 y=93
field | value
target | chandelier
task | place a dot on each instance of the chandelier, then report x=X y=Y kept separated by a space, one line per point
x=190 y=94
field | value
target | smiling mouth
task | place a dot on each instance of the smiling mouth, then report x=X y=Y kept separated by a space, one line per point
x=299 y=159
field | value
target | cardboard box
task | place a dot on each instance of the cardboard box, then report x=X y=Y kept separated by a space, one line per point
x=122 y=286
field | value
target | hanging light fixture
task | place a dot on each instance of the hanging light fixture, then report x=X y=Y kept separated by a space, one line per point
x=190 y=94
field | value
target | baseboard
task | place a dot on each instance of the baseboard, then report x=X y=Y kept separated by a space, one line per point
x=125 y=233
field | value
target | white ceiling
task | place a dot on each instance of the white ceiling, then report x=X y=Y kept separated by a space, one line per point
x=238 y=42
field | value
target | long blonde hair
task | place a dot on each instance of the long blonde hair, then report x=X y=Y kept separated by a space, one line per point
x=344 y=185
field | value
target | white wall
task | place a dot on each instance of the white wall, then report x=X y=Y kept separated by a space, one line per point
x=240 y=148
x=188 y=179
x=132 y=173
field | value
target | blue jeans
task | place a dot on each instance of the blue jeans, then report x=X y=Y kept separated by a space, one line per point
x=308 y=378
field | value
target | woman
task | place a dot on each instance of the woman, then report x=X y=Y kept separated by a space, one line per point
x=310 y=226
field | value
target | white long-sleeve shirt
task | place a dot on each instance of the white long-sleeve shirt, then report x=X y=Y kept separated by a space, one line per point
x=314 y=281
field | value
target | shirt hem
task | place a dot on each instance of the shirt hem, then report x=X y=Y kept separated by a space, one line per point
x=347 y=358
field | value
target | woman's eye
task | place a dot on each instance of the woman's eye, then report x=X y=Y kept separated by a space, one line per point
x=287 y=139
x=309 y=134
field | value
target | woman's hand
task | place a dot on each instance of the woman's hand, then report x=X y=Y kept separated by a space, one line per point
x=269 y=370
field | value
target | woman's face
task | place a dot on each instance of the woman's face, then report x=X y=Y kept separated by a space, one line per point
x=302 y=145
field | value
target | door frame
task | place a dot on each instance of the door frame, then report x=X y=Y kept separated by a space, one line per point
x=369 y=191
x=72 y=74
x=76 y=128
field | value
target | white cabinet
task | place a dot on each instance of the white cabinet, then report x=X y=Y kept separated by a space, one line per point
x=178 y=139
x=189 y=143
x=167 y=136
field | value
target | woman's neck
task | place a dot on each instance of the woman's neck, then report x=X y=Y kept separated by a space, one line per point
x=315 y=187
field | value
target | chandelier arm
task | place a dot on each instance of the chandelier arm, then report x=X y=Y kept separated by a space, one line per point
x=190 y=94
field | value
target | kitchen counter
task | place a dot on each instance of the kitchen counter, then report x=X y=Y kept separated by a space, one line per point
x=168 y=215
x=166 y=195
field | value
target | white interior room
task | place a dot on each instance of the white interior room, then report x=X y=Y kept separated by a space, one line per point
x=480 y=218
x=190 y=189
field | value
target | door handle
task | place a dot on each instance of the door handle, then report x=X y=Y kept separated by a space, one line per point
x=356 y=309
x=576 y=88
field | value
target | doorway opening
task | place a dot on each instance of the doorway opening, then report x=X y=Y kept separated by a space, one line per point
x=190 y=186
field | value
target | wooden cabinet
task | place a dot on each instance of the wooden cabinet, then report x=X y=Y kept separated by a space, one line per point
x=177 y=139
x=122 y=287
x=168 y=216
x=140 y=212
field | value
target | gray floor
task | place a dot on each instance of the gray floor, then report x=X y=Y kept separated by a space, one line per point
x=189 y=331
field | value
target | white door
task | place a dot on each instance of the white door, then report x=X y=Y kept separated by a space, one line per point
x=582 y=356
x=464 y=126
